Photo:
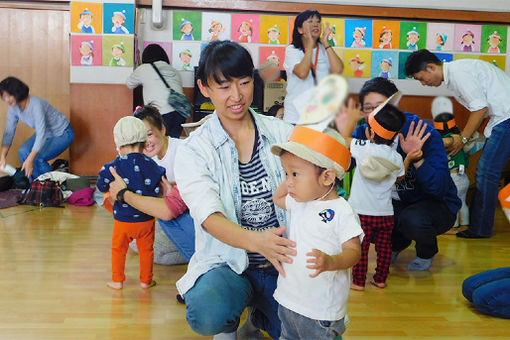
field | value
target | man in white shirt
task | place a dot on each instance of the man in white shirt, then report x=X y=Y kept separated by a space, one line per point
x=484 y=90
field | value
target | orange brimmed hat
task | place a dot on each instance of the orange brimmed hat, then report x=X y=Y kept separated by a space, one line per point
x=325 y=149
x=380 y=130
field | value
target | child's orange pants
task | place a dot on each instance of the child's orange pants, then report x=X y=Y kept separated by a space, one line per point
x=123 y=234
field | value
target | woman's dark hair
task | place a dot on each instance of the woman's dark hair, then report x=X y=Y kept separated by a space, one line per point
x=224 y=58
x=390 y=118
x=378 y=85
x=273 y=110
x=153 y=53
x=418 y=61
x=15 y=88
x=150 y=114
x=443 y=118
x=300 y=19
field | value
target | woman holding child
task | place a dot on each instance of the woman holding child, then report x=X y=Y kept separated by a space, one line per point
x=425 y=202
x=171 y=211
x=226 y=174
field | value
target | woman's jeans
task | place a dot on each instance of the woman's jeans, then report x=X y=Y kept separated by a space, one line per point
x=489 y=291
x=488 y=173
x=52 y=147
x=218 y=298
x=181 y=231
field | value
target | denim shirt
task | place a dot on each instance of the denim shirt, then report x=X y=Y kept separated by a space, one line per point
x=207 y=174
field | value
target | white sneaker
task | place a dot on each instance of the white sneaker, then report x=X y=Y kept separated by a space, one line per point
x=226 y=336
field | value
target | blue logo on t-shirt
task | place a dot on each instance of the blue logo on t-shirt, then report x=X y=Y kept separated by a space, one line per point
x=327 y=215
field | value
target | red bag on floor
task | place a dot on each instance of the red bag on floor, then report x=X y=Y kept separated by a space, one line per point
x=44 y=194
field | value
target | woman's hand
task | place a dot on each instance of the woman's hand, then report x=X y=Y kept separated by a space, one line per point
x=3 y=161
x=166 y=186
x=415 y=137
x=325 y=33
x=28 y=167
x=274 y=247
x=319 y=261
x=118 y=183
x=308 y=41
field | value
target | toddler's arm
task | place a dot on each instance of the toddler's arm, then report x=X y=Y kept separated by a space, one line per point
x=347 y=119
x=321 y=262
x=280 y=194
x=411 y=157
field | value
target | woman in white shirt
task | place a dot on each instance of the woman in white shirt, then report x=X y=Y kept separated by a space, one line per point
x=308 y=59
x=155 y=91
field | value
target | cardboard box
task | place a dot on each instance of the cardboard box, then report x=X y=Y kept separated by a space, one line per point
x=274 y=93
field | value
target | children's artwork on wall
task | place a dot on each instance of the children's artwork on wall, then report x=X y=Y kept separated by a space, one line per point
x=386 y=34
x=457 y=56
x=440 y=36
x=275 y=54
x=496 y=60
x=445 y=57
x=493 y=39
x=413 y=35
x=336 y=38
x=86 y=50
x=245 y=28
x=167 y=46
x=185 y=55
x=119 y=18
x=340 y=52
x=274 y=29
x=187 y=25
x=385 y=64
x=358 y=33
x=254 y=52
x=292 y=21
x=467 y=38
x=118 y=51
x=402 y=58
x=357 y=63
x=215 y=26
x=86 y=17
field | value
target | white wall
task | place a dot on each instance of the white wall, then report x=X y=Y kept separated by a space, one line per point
x=468 y=5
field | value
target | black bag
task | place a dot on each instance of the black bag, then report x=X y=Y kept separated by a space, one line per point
x=45 y=193
x=178 y=101
x=6 y=183
x=20 y=180
x=60 y=165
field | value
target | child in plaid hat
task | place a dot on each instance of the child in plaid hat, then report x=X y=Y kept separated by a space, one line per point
x=142 y=175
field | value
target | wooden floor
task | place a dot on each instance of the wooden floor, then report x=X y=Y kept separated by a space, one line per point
x=54 y=264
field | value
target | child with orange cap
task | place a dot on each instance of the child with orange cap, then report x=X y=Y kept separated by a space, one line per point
x=313 y=294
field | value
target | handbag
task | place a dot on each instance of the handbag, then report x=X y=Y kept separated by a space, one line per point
x=177 y=100
x=45 y=193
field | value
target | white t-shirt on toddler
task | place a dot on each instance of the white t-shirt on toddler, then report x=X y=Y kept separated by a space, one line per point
x=323 y=225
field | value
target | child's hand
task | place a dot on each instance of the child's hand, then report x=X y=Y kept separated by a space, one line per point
x=319 y=261
x=414 y=155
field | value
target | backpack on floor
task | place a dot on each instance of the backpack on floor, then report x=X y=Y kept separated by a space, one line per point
x=45 y=193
